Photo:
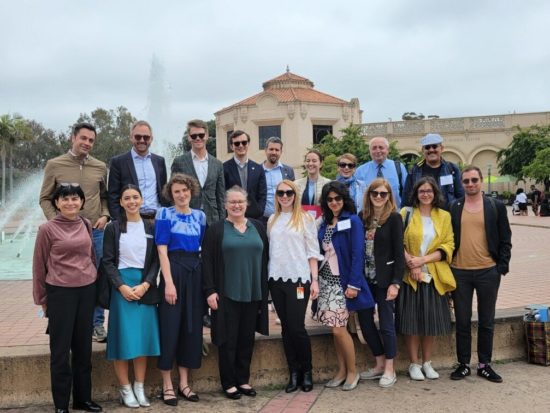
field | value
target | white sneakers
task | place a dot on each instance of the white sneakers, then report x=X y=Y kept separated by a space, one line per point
x=417 y=372
x=429 y=371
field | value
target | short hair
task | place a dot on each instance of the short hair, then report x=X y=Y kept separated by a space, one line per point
x=238 y=189
x=349 y=156
x=82 y=125
x=238 y=132
x=339 y=189
x=316 y=152
x=387 y=142
x=274 y=139
x=437 y=202
x=141 y=123
x=470 y=168
x=519 y=191
x=197 y=123
x=179 y=178
x=67 y=189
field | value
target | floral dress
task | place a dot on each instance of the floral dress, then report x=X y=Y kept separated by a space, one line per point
x=332 y=310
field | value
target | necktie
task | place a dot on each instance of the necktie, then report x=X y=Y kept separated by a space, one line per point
x=379 y=173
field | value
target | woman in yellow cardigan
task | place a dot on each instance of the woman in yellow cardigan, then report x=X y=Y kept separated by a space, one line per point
x=423 y=309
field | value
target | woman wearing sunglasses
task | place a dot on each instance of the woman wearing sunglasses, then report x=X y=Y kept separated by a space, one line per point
x=293 y=261
x=383 y=268
x=346 y=174
x=342 y=286
x=423 y=309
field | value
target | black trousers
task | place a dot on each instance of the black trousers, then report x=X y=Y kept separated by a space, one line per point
x=70 y=314
x=235 y=354
x=291 y=312
x=485 y=282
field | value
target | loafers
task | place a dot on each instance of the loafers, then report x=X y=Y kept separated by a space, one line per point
x=352 y=385
x=332 y=383
x=387 y=381
x=88 y=406
x=235 y=395
x=370 y=374
x=307 y=381
x=461 y=372
x=250 y=392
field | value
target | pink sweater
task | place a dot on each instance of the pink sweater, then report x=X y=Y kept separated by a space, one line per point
x=63 y=256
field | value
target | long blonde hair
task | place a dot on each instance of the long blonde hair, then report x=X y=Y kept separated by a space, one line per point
x=298 y=215
x=368 y=208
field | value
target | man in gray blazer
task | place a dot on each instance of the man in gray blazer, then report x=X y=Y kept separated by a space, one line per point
x=206 y=169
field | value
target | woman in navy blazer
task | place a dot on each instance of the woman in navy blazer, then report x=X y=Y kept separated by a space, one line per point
x=342 y=286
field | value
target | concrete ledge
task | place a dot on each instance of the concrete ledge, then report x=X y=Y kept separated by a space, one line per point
x=25 y=374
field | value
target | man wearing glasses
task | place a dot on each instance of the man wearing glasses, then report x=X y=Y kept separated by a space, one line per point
x=139 y=167
x=205 y=168
x=483 y=244
x=381 y=167
x=446 y=174
x=79 y=168
x=246 y=173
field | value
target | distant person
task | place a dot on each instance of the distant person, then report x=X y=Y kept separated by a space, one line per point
x=246 y=173
x=483 y=244
x=521 y=199
x=536 y=198
x=381 y=166
x=445 y=173
x=346 y=165
x=77 y=166
x=205 y=168
x=544 y=208
x=275 y=171
x=64 y=284
x=311 y=186
x=141 y=168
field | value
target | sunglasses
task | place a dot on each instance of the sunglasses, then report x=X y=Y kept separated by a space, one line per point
x=381 y=194
x=68 y=184
x=466 y=181
x=239 y=143
x=337 y=198
x=145 y=138
x=346 y=165
x=196 y=136
x=428 y=147
x=289 y=193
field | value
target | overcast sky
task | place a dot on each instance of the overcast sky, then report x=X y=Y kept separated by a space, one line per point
x=451 y=58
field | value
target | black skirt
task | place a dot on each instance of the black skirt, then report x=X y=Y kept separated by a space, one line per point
x=422 y=313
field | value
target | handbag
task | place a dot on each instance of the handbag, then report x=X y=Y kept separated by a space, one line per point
x=537 y=336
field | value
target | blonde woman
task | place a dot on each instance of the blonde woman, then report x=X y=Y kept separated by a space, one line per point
x=293 y=257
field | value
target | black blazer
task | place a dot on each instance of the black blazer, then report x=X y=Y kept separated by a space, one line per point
x=213 y=279
x=109 y=264
x=497 y=230
x=123 y=172
x=389 y=251
x=255 y=185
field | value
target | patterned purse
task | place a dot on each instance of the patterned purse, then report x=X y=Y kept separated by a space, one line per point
x=537 y=336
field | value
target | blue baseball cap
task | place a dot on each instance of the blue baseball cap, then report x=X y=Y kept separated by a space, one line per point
x=431 y=139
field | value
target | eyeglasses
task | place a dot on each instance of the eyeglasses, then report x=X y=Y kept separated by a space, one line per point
x=376 y=194
x=239 y=143
x=428 y=147
x=196 y=136
x=346 y=165
x=425 y=192
x=67 y=184
x=466 y=181
x=236 y=202
x=337 y=198
x=290 y=193
x=145 y=138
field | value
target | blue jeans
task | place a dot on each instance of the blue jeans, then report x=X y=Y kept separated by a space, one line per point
x=97 y=235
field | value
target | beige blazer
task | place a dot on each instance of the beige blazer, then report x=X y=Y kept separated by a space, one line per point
x=302 y=186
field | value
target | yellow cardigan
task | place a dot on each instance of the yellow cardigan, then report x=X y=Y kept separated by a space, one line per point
x=443 y=278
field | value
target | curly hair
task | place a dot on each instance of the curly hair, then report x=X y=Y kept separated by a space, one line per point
x=179 y=178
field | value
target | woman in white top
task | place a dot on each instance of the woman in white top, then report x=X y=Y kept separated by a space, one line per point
x=309 y=188
x=521 y=199
x=293 y=257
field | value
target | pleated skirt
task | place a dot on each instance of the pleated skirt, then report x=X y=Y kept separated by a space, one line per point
x=422 y=313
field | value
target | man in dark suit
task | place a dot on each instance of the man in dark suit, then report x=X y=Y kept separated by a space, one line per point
x=206 y=169
x=139 y=167
x=246 y=173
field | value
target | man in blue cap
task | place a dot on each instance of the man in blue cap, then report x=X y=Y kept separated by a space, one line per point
x=446 y=174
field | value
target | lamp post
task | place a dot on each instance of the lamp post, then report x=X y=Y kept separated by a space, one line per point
x=489 y=179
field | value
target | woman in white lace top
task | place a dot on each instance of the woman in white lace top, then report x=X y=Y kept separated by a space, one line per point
x=293 y=257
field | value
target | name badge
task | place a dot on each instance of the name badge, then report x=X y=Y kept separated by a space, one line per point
x=149 y=236
x=300 y=293
x=342 y=225
x=446 y=180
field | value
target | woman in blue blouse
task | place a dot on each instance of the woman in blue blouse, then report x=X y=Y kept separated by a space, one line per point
x=179 y=232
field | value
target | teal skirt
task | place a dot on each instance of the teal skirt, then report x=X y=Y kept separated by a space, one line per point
x=133 y=327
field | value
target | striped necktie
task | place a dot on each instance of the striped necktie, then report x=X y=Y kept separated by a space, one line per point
x=379 y=173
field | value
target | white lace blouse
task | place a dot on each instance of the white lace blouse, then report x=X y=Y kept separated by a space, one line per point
x=290 y=250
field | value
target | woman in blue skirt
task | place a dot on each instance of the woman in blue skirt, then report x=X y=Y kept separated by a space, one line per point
x=130 y=261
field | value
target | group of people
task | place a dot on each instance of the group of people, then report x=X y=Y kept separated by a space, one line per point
x=539 y=203
x=226 y=236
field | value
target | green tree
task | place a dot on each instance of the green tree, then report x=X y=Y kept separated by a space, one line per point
x=539 y=169
x=43 y=144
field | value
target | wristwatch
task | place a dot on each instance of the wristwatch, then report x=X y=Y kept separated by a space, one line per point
x=397 y=286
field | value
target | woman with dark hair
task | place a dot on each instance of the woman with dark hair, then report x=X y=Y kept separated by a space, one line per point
x=383 y=268
x=179 y=232
x=310 y=187
x=521 y=199
x=235 y=253
x=423 y=309
x=342 y=286
x=64 y=276
x=130 y=261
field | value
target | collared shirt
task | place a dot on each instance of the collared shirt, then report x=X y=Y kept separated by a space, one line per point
x=201 y=167
x=243 y=171
x=272 y=178
x=368 y=173
x=147 y=180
